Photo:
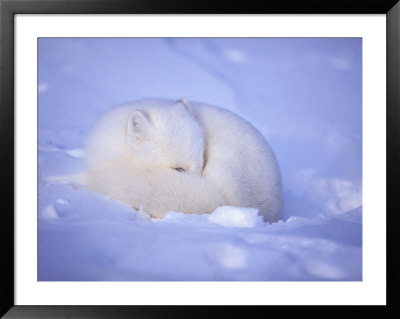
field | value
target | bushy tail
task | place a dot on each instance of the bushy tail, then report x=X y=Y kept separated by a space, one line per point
x=79 y=179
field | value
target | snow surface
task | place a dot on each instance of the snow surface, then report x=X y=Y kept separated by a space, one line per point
x=303 y=94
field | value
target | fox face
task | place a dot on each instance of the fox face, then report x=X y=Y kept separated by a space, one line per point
x=169 y=137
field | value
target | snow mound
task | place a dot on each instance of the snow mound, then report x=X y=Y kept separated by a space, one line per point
x=49 y=212
x=230 y=216
x=228 y=256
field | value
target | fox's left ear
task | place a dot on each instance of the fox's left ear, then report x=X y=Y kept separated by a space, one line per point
x=138 y=126
x=184 y=101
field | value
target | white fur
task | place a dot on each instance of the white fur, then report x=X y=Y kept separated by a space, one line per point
x=133 y=151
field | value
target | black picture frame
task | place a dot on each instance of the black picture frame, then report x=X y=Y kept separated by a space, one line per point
x=8 y=10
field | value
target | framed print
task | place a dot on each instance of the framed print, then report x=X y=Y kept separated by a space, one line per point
x=167 y=154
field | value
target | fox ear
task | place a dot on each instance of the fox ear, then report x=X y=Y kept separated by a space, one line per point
x=184 y=101
x=138 y=126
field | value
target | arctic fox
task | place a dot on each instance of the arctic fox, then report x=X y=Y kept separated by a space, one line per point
x=162 y=155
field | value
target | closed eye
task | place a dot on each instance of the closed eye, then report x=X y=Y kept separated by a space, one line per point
x=179 y=169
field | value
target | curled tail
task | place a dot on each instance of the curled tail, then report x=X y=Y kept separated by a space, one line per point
x=79 y=179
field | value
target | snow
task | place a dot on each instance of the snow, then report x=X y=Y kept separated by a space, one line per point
x=304 y=95
x=49 y=212
x=235 y=216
